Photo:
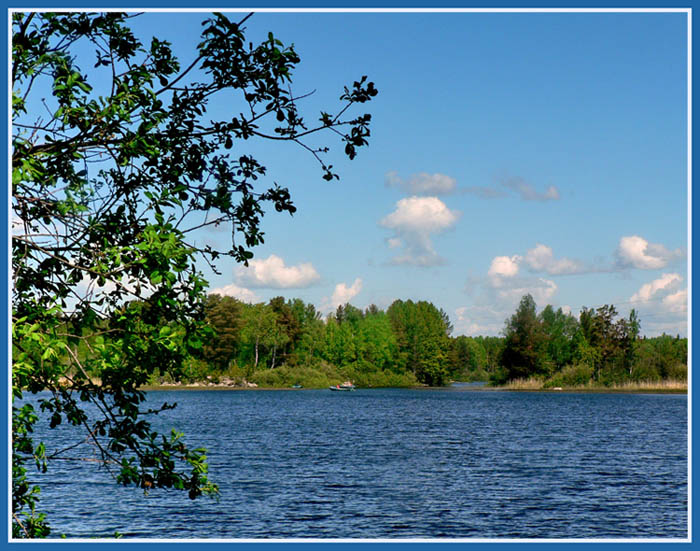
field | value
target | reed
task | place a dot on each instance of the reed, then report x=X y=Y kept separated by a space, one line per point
x=666 y=384
x=535 y=383
x=531 y=383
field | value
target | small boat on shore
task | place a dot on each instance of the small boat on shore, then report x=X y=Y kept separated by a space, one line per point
x=346 y=386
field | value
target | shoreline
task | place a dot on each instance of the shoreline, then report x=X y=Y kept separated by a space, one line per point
x=466 y=388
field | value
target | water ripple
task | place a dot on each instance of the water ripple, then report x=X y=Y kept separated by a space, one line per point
x=402 y=463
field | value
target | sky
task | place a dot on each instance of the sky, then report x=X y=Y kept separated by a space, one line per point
x=511 y=153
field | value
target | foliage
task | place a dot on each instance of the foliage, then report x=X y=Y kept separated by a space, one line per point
x=575 y=375
x=422 y=335
x=600 y=348
x=612 y=339
x=320 y=375
x=524 y=347
x=114 y=169
x=223 y=315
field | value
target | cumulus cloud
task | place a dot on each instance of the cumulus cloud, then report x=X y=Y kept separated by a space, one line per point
x=541 y=259
x=527 y=192
x=504 y=266
x=504 y=280
x=647 y=291
x=343 y=294
x=241 y=293
x=677 y=303
x=422 y=183
x=497 y=298
x=478 y=320
x=272 y=273
x=662 y=305
x=635 y=251
x=414 y=221
x=542 y=290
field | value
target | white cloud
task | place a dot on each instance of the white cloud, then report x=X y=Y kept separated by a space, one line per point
x=648 y=290
x=637 y=252
x=394 y=242
x=662 y=305
x=343 y=294
x=233 y=290
x=528 y=193
x=542 y=290
x=677 y=303
x=504 y=280
x=541 y=259
x=422 y=183
x=478 y=320
x=413 y=221
x=504 y=266
x=498 y=300
x=272 y=272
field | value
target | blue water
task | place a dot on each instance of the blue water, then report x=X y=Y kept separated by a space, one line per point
x=389 y=463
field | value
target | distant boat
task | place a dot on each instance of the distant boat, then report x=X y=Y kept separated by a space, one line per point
x=297 y=386
x=344 y=387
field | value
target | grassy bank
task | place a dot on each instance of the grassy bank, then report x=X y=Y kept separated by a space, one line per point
x=322 y=375
x=536 y=384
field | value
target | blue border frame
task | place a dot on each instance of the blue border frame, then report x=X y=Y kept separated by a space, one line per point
x=4 y=259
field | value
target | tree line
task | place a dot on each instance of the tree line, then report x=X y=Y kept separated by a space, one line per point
x=599 y=347
x=287 y=341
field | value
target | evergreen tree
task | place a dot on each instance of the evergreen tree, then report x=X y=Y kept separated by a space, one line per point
x=524 y=352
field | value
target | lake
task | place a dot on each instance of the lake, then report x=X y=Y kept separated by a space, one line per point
x=396 y=463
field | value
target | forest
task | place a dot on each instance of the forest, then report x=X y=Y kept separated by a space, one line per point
x=283 y=343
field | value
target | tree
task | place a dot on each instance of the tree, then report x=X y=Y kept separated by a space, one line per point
x=262 y=333
x=289 y=325
x=422 y=337
x=312 y=331
x=559 y=329
x=467 y=357
x=612 y=339
x=223 y=315
x=112 y=175
x=523 y=349
x=376 y=342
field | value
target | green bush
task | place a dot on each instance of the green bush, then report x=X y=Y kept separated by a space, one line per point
x=478 y=375
x=194 y=370
x=575 y=375
x=379 y=378
x=235 y=372
x=319 y=376
x=678 y=372
x=499 y=377
x=645 y=372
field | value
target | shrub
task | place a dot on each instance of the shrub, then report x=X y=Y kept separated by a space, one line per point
x=575 y=375
x=645 y=372
x=678 y=372
x=499 y=377
x=380 y=378
x=319 y=376
x=478 y=375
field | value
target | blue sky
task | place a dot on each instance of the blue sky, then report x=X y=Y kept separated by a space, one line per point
x=510 y=153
